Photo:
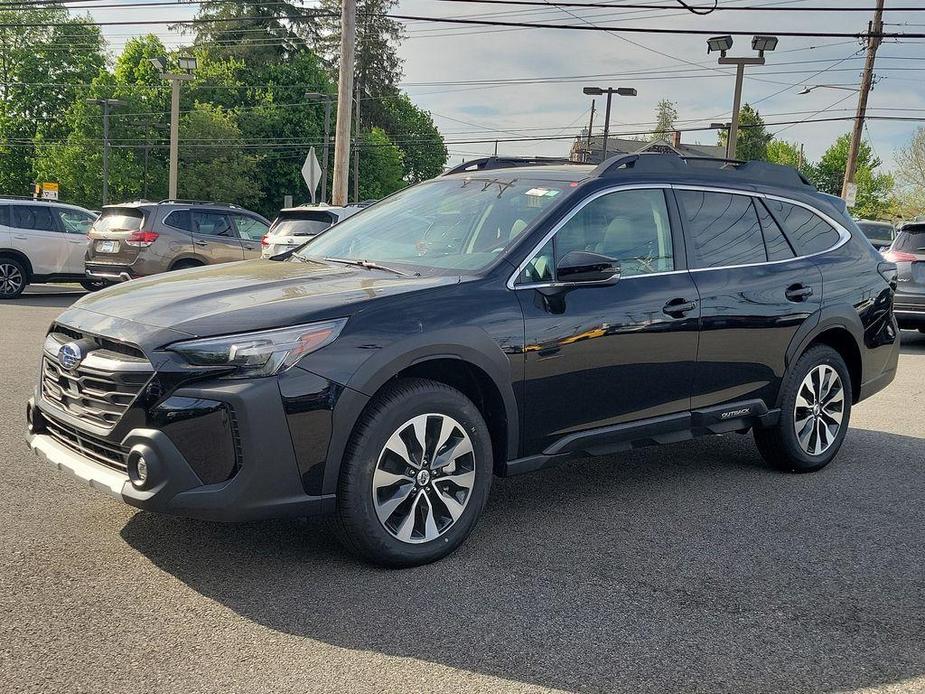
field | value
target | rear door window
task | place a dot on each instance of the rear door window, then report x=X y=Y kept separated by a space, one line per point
x=211 y=224
x=775 y=242
x=179 y=219
x=722 y=229
x=35 y=217
x=119 y=219
x=808 y=232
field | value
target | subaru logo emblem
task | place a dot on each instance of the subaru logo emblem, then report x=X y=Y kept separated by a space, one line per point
x=69 y=356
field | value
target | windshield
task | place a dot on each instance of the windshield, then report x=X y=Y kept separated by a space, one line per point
x=450 y=223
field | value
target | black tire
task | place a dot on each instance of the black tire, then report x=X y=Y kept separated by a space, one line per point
x=779 y=445
x=922 y=330
x=94 y=285
x=357 y=522
x=14 y=278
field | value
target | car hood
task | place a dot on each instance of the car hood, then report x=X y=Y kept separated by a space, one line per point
x=250 y=295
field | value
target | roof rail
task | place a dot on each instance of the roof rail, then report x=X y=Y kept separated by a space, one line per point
x=21 y=197
x=183 y=201
x=489 y=163
x=652 y=162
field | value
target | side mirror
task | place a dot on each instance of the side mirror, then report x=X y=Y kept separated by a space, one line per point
x=586 y=267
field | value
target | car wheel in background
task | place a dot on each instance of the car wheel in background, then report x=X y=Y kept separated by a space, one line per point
x=415 y=476
x=94 y=285
x=13 y=278
x=815 y=409
x=185 y=265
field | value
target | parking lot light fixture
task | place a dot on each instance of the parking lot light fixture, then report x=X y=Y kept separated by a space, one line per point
x=719 y=44
x=609 y=91
x=762 y=43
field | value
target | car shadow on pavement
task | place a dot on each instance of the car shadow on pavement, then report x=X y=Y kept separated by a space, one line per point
x=689 y=568
x=913 y=342
x=46 y=300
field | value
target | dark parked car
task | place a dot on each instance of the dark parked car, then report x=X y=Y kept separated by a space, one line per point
x=908 y=252
x=490 y=322
x=880 y=234
x=137 y=239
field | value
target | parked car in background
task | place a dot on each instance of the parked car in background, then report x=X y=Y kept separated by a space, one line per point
x=879 y=233
x=41 y=241
x=143 y=238
x=908 y=252
x=492 y=322
x=296 y=225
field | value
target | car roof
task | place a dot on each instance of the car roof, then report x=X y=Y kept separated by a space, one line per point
x=552 y=172
x=22 y=200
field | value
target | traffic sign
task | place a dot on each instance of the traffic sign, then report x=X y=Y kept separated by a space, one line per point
x=311 y=172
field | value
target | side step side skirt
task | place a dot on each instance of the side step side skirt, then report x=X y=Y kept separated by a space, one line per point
x=737 y=416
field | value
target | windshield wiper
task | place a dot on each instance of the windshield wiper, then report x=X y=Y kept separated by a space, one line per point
x=368 y=264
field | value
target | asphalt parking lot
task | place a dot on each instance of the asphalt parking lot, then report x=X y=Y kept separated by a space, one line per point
x=691 y=568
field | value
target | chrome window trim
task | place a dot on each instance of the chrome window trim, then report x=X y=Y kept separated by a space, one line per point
x=843 y=233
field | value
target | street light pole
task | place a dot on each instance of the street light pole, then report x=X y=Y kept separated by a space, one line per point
x=107 y=105
x=723 y=44
x=188 y=64
x=609 y=91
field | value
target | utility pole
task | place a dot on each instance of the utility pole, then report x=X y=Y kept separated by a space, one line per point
x=188 y=65
x=356 y=149
x=348 y=22
x=874 y=34
x=609 y=91
x=590 y=126
x=107 y=105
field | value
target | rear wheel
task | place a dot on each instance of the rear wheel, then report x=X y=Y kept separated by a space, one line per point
x=415 y=476
x=13 y=278
x=185 y=265
x=815 y=409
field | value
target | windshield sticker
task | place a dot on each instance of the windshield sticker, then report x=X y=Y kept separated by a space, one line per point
x=542 y=192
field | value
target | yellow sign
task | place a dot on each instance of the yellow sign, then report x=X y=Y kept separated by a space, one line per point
x=49 y=191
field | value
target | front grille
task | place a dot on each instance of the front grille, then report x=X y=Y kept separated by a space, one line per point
x=101 y=387
x=103 y=342
x=97 y=449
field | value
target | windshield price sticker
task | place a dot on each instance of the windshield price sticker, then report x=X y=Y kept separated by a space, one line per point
x=542 y=192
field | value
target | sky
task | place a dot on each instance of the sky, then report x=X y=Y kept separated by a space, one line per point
x=452 y=71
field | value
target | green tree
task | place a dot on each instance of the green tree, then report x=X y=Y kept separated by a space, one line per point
x=753 y=138
x=43 y=69
x=910 y=171
x=213 y=164
x=413 y=131
x=786 y=153
x=875 y=190
x=380 y=165
x=666 y=113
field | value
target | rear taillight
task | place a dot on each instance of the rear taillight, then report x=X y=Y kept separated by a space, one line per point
x=899 y=256
x=264 y=241
x=141 y=239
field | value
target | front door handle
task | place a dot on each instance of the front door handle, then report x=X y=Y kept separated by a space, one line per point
x=201 y=243
x=798 y=292
x=678 y=307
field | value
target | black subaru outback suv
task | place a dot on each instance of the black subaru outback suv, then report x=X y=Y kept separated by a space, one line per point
x=489 y=322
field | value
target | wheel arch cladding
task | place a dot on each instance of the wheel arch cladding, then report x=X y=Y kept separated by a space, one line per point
x=19 y=257
x=843 y=342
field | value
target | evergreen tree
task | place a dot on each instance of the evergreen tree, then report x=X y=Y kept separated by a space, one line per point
x=666 y=113
x=753 y=138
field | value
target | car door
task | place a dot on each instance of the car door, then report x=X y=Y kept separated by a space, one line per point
x=35 y=234
x=755 y=293
x=250 y=230
x=602 y=355
x=76 y=225
x=214 y=237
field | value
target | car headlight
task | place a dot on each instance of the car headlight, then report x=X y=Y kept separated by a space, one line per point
x=261 y=353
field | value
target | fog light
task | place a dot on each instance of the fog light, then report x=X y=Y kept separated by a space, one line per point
x=141 y=470
x=138 y=470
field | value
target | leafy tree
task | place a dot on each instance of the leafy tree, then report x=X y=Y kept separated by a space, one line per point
x=786 y=153
x=414 y=133
x=666 y=113
x=910 y=170
x=212 y=162
x=753 y=138
x=875 y=190
x=43 y=69
x=380 y=165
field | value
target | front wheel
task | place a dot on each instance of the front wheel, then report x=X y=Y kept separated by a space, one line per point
x=13 y=278
x=815 y=409
x=415 y=476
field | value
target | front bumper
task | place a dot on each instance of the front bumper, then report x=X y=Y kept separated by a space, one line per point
x=177 y=440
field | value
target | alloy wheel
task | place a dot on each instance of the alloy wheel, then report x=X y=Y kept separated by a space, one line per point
x=424 y=478
x=819 y=410
x=11 y=279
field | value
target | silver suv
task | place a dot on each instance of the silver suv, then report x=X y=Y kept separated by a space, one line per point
x=144 y=238
x=41 y=241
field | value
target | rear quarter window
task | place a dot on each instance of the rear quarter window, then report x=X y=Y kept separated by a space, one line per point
x=807 y=232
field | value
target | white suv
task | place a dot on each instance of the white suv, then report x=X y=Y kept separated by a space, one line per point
x=41 y=241
x=296 y=225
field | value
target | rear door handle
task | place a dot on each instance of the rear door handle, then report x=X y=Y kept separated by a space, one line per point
x=678 y=307
x=798 y=292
